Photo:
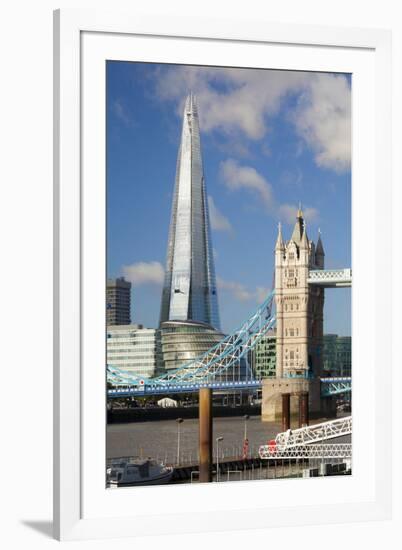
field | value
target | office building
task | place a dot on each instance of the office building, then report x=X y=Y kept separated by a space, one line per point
x=135 y=349
x=118 y=302
x=337 y=355
x=263 y=356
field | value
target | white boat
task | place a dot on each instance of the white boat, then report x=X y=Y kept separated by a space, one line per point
x=127 y=472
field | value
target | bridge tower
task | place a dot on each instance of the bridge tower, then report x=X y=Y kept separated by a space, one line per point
x=299 y=306
x=299 y=327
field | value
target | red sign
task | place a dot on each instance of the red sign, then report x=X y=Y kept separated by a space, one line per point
x=245 y=449
x=271 y=445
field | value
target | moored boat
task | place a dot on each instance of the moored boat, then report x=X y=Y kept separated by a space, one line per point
x=127 y=472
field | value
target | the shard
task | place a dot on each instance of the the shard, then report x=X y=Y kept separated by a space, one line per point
x=189 y=291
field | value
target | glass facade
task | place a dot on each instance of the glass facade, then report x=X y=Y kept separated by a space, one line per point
x=336 y=351
x=337 y=355
x=184 y=341
x=189 y=291
x=263 y=356
x=134 y=349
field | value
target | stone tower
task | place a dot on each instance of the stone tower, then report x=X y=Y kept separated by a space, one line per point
x=299 y=306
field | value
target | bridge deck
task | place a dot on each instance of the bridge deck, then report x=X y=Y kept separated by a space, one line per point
x=329 y=386
x=330 y=278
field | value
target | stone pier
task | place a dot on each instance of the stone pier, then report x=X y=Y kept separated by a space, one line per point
x=274 y=388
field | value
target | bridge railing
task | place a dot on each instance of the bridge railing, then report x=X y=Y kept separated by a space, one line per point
x=317 y=432
x=190 y=457
x=328 y=276
x=334 y=450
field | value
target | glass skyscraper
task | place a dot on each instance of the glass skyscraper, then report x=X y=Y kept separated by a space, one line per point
x=189 y=291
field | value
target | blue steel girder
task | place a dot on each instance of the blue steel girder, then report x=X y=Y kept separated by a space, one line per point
x=135 y=391
x=335 y=385
x=329 y=387
x=206 y=369
x=215 y=362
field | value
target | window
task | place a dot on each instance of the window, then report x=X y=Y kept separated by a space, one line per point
x=291 y=273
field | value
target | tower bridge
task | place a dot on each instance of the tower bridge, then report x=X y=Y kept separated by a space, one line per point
x=126 y=386
x=300 y=282
x=294 y=308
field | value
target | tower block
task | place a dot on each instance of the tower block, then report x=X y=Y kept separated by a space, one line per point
x=299 y=321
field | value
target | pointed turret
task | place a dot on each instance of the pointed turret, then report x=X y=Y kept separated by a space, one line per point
x=298 y=228
x=304 y=239
x=299 y=211
x=280 y=245
x=319 y=252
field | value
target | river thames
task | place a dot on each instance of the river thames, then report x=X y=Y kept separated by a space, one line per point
x=159 y=439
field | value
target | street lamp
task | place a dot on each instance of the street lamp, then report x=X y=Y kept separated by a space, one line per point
x=179 y=421
x=245 y=440
x=218 y=440
x=245 y=417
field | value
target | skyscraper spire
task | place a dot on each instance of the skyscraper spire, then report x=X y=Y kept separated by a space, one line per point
x=189 y=291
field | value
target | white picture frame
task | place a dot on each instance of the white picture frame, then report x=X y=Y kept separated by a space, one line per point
x=82 y=42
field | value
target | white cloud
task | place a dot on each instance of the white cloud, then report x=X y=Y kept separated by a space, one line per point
x=249 y=95
x=237 y=177
x=219 y=222
x=121 y=112
x=238 y=290
x=323 y=119
x=246 y=100
x=143 y=273
x=241 y=293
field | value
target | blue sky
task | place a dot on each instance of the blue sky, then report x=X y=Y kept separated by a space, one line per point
x=269 y=140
